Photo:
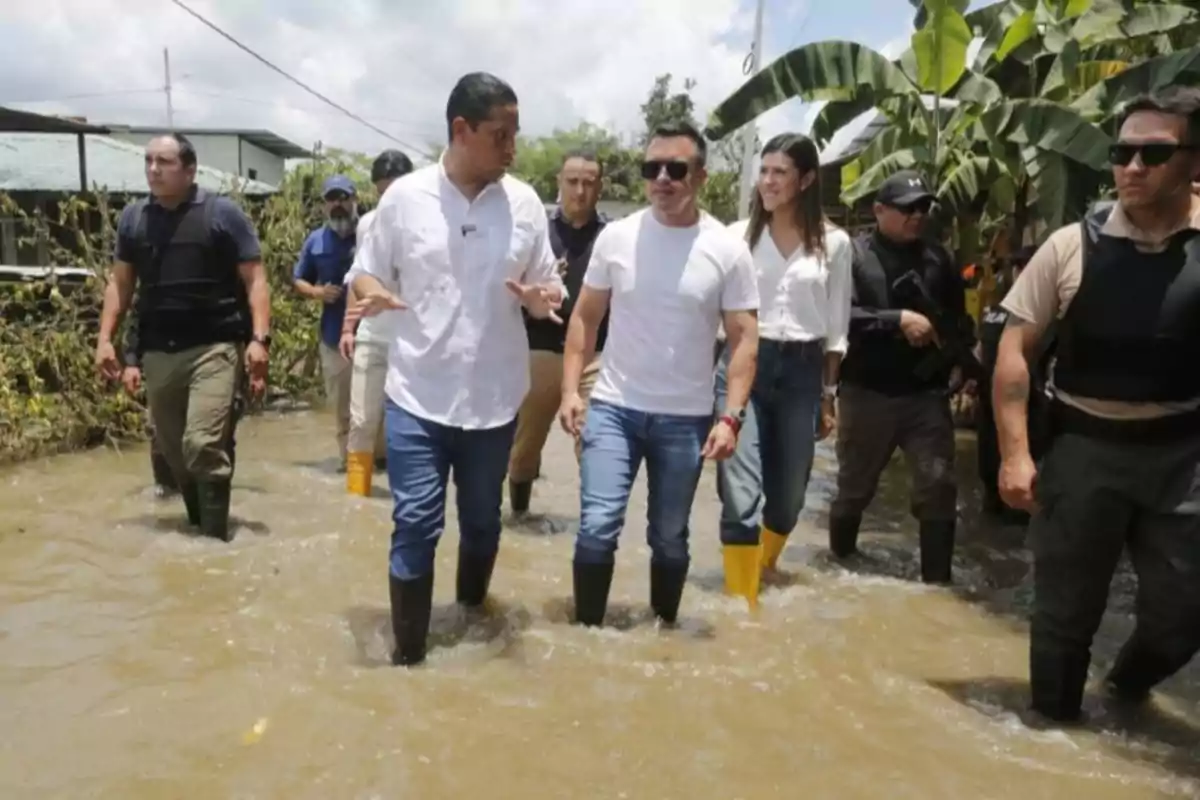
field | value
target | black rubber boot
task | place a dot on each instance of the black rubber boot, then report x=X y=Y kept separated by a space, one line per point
x=937 y=551
x=843 y=535
x=165 y=484
x=214 y=509
x=592 y=582
x=518 y=496
x=474 y=576
x=1056 y=682
x=666 y=590
x=231 y=451
x=412 y=601
x=1137 y=670
x=191 y=502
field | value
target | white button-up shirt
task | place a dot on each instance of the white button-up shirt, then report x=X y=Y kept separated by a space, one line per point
x=459 y=354
x=806 y=296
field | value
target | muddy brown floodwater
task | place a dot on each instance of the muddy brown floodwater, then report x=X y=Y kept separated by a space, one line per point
x=138 y=662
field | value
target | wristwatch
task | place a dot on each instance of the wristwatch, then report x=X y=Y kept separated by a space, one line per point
x=829 y=392
x=264 y=340
x=734 y=418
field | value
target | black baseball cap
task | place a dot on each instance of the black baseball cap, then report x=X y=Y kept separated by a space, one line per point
x=903 y=189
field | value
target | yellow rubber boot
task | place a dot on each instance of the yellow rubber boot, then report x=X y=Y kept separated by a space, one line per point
x=742 y=571
x=772 y=547
x=359 y=467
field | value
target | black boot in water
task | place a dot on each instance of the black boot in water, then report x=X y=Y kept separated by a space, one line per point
x=666 y=590
x=843 y=535
x=518 y=496
x=592 y=582
x=411 y=603
x=1056 y=681
x=937 y=551
x=474 y=576
x=1137 y=670
x=214 y=509
x=165 y=484
x=191 y=502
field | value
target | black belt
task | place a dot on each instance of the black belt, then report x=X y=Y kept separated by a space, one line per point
x=1068 y=419
x=794 y=346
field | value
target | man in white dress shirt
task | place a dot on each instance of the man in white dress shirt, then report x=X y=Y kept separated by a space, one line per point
x=671 y=274
x=466 y=247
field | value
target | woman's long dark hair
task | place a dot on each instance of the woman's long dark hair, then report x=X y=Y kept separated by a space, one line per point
x=809 y=217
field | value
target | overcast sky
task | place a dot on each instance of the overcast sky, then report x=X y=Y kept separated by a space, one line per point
x=394 y=61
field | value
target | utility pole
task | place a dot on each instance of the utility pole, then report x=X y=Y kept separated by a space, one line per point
x=167 y=89
x=750 y=131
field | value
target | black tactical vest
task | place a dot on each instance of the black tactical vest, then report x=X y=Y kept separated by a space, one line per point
x=1132 y=331
x=188 y=294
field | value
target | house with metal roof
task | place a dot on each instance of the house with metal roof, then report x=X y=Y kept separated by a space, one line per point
x=256 y=155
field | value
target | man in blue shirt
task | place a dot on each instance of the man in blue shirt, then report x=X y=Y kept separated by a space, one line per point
x=324 y=261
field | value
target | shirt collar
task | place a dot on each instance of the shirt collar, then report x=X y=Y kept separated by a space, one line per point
x=195 y=195
x=1119 y=225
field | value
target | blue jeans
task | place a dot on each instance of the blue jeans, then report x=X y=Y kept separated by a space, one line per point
x=615 y=441
x=421 y=455
x=765 y=480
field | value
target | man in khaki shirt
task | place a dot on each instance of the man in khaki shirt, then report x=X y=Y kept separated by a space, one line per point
x=1123 y=468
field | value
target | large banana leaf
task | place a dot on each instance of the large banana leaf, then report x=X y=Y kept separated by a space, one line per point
x=1046 y=126
x=1145 y=20
x=967 y=180
x=1102 y=100
x=832 y=70
x=889 y=140
x=940 y=46
x=991 y=23
x=870 y=180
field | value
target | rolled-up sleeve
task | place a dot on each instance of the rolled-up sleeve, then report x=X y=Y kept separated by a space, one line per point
x=375 y=253
x=839 y=288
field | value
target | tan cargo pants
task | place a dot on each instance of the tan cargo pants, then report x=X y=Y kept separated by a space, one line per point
x=540 y=410
x=191 y=397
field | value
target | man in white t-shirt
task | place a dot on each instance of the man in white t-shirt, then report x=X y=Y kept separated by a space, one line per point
x=364 y=343
x=672 y=274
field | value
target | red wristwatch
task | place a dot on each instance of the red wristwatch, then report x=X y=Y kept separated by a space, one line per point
x=734 y=420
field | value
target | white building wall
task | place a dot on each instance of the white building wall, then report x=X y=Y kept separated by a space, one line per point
x=268 y=167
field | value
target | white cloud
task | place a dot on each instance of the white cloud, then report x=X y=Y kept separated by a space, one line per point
x=391 y=62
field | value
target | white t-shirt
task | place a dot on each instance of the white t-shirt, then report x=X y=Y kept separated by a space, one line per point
x=669 y=288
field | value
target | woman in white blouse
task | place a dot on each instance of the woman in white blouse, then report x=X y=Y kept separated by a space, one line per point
x=804 y=285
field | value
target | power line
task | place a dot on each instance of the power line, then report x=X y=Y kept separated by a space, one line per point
x=296 y=81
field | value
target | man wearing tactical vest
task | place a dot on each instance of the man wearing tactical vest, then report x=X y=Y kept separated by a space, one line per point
x=1123 y=467
x=195 y=261
x=320 y=271
x=574 y=227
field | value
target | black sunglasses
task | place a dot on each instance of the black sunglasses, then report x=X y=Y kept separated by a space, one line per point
x=918 y=207
x=676 y=170
x=1154 y=154
x=337 y=196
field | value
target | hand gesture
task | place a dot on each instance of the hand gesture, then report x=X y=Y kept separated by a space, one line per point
x=1017 y=477
x=131 y=378
x=540 y=300
x=571 y=414
x=106 y=361
x=917 y=329
x=373 y=303
x=721 y=443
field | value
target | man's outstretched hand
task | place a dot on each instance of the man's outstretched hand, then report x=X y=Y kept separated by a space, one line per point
x=540 y=300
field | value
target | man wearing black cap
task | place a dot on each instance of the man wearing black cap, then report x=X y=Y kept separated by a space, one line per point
x=364 y=343
x=324 y=261
x=895 y=378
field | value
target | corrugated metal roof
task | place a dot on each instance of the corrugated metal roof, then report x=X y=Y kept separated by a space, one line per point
x=47 y=162
x=13 y=120
x=271 y=142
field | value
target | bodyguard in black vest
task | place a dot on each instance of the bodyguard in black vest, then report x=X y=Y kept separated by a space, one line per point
x=574 y=226
x=202 y=294
x=896 y=375
x=1123 y=468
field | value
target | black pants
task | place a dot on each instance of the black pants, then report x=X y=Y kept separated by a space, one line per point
x=1098 y=498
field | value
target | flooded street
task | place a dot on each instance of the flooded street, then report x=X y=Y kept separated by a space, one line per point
x=138 y=662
